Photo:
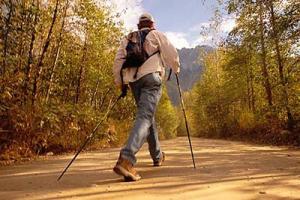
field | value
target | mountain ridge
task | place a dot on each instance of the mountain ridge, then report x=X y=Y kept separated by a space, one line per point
x=191 y=67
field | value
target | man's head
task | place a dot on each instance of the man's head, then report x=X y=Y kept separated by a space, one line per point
x=146 y=21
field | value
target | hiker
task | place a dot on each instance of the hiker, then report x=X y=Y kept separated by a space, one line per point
x=143 y=70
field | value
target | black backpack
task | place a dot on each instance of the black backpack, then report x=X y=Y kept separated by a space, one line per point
x=136 y=55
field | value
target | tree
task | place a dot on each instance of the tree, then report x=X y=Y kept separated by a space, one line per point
x=250 y=86
x=275 y=31
x=39 y=66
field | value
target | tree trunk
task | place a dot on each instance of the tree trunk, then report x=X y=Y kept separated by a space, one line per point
x=22 y=39
x=95 y=92
x=81 y=70
x=251 y=75
x=66 y=92
x=252 y=91
x=5 y=36
x=265 y=73
x=248 y=87
x=21 y=46
x=39 y=66
x=60 y=39
x=280 y=67
x=30 y=52
x=103 y=98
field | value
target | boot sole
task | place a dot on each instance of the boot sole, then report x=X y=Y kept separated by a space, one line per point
x=126 y=174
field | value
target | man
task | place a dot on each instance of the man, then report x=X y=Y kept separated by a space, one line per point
x=146 y=85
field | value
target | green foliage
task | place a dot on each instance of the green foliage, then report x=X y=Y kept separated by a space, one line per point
x=249 y=89
x=52 y=103
x=193 y=121
x=167 y=119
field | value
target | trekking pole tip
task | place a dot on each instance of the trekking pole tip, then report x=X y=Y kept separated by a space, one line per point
x=60 y=176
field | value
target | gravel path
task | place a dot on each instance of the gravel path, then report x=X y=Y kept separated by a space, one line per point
x=225 y=170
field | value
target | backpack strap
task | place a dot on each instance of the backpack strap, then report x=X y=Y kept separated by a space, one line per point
x=169 y=76
x=143 y=40
x=154 y=53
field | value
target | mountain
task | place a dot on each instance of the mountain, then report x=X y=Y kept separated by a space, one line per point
x=191 y=69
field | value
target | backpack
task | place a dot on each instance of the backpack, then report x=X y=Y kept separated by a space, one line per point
x=136 y=55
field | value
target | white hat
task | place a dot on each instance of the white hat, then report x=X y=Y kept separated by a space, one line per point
x=146 y=17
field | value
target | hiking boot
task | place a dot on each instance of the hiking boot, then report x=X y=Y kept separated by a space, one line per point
x=160 y=160
x=125 y=168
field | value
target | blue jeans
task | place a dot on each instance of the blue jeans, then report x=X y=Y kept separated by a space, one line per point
x=147 y=92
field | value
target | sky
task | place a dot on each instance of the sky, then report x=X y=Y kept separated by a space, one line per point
x=180 y=20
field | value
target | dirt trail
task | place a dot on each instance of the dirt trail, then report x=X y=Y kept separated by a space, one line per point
x=225 y=170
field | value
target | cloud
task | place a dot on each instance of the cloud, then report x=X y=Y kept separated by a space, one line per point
x=209 y=32
x=203 y=40
x=227 y=25
x=183 y=40
x=199 y=27
x=128 y=11
x=178 y=39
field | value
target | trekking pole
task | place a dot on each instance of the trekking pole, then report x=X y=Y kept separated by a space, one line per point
x=89 y=138
x=186 y=122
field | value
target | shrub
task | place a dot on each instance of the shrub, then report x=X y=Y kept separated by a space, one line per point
x=167 y=119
